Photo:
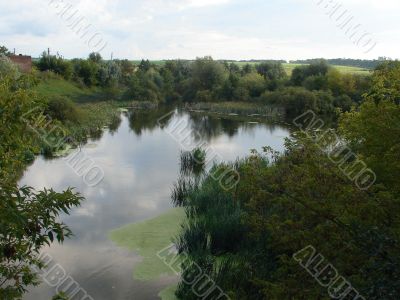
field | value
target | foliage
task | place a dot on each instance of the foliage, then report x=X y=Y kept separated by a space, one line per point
x=60 y=296
x=210 y=81
x=56 y=64
x=316 y=69
x=28 y=218
x=297 y=100
x=8 y=69
x=373 y=129
x=244 y=239
x=63 y=109
x=254 y=83
x=4 y=51
x=95 y=57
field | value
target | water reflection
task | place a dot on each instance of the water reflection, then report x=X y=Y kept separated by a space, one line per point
x=140 y=163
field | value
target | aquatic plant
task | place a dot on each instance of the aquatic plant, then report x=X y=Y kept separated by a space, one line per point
x=193 y=162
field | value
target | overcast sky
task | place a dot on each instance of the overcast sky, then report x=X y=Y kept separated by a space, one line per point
x=224 y=29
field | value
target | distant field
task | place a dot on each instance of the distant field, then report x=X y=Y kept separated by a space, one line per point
x=288 y=67
x=156 y=62
x=344 y=69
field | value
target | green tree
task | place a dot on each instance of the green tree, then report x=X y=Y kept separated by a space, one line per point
x=373 y=129
x=88 y=71
x=272 y=71
x=55 y=64
x=4 y=51
x=207 y=74
x=316 y=68
x=95 y=57
x=144 y=65
x=254 y=83
x=28 y=218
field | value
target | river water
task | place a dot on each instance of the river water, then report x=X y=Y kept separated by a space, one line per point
x=140 y=163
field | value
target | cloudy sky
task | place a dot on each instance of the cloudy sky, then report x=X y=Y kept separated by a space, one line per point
x=224 y=29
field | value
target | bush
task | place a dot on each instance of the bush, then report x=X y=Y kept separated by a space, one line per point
x=8 y=69
x=298 y=100
x=254 y=83
x=63 y=109
x=55 y=64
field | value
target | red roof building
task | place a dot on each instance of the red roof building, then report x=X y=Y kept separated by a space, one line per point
x=23 y=62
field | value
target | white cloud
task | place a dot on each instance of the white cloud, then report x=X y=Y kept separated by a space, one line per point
x=189 y=28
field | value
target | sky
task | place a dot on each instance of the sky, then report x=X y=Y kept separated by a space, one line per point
x=186 y=29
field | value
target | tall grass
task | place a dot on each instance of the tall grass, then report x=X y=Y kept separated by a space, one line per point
x=214 y=226
x=193 y=162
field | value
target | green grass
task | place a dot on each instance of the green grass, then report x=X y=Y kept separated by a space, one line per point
x=147 y=239
x=353 y=70
x=57 y=86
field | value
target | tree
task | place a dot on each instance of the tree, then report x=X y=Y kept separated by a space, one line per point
x=247 y=69
x=4 y=51
x=28 y=218
x=207 y=74
x=254 y=83
x=88 y=71
x=386 y=82
x=109 y=74
x=316 y=68
x=271 y=70
x=95 y=57
x=341 y=84
x=373 y=128
x=55 y=64
x=144 y=65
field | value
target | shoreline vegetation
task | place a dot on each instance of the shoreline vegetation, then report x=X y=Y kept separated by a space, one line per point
x=301 y=202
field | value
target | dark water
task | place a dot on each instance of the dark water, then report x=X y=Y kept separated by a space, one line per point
x=140 y=162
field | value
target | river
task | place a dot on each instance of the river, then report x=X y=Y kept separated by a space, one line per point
x=139 y=160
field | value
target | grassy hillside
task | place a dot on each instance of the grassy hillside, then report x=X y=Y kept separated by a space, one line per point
x=56 y=86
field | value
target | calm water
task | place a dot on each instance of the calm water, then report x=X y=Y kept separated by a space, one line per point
x=140 y=163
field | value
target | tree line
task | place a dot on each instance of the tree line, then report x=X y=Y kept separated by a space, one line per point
x=316 y=86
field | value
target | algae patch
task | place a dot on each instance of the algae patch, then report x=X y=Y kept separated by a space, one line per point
x=147 y=238
x=168 y=293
